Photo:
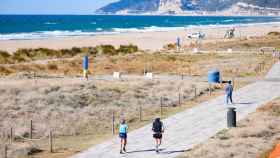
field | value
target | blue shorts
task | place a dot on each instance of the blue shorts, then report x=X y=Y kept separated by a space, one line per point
x=123 y=135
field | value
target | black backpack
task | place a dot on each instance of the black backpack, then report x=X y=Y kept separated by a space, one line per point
x=157 y=126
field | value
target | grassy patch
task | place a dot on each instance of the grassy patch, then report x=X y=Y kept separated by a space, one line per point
x=27 y=55
x=5 y=57
x=127 y=49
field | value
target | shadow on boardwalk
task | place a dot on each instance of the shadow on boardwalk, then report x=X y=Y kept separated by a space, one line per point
x=162 y=151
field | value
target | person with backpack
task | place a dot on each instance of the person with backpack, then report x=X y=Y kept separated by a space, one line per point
x=123 y=135
x=158 y=129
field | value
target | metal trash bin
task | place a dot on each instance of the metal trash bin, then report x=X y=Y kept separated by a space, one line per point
x=231 y=117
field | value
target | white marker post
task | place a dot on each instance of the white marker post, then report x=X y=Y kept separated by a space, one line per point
x=149 y=75
x=117 y=75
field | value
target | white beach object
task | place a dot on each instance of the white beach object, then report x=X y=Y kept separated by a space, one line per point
x=149 y=75
x=195 y=50
x=117 y=75
x=229 y=50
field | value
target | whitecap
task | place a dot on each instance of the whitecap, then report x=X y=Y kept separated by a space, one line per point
x=50 y=23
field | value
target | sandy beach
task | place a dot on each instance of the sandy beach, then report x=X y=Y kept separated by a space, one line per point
x=145 y=40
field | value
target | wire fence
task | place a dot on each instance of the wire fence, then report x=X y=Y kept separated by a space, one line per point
x=159 y=108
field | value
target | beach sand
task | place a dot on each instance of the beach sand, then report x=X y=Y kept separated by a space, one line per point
x=145 y=40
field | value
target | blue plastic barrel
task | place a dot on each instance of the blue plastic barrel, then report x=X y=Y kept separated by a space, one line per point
x=214 y=76
x=85 y=63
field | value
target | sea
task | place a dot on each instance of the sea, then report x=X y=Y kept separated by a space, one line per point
x=25 y=27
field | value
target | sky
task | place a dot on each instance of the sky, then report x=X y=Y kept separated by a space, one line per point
x=51 y=6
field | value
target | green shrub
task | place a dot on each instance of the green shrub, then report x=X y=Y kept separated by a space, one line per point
x=128 y=49
x=65 y=53
x=43 y=53
x=170 y=46
x=107 y=50
x=22 y=55
x=76 y=50
x=4 y=57
x=274 y=33
x=92 y=50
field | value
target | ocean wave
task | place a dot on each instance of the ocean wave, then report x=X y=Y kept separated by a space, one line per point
x=44 y=35
x=50 y=23
x=228 y=20
x=146 y=29
x=100 y=31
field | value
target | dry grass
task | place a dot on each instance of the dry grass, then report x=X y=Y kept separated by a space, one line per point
x=229 y=64
x=27 y=55
x=252 y=44
x=55 y=103
x=254 y=137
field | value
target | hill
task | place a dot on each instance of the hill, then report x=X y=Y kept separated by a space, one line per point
x=256 y=7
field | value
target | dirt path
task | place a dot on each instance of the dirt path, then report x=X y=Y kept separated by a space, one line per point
x=193 y=126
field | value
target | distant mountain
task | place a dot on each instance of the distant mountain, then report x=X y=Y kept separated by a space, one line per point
x=187 y=6
x=131 y=6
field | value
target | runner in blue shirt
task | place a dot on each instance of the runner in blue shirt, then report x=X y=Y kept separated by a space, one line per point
x=123 y=135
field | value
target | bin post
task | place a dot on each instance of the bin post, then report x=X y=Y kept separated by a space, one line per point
x=231 y=117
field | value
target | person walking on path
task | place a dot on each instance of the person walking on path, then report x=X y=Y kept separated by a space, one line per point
x=158 y=129
x=123 y=135
x=229 y=91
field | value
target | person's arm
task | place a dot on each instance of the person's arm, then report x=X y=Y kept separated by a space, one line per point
x=162 y=126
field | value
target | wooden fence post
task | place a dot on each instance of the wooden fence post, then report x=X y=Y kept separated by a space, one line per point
x=195 y=93
x=179 y=99
x=210 y=89
x=51 y=141
x=161 y=104
x=260 y=67
x=5 y=151
x=11 y=135
x=233 y=82
x=140 y=113
x=31 y=129
x=113 y=123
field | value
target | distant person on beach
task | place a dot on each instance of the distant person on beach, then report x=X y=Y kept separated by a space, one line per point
x=123 y=135
x=229 y=91
x=158 y=129
x=178 y=43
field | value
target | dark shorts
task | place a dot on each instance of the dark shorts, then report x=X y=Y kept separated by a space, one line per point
x=157 y=135
x=123 y=135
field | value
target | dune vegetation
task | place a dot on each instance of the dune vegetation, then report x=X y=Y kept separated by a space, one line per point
x=27 y=55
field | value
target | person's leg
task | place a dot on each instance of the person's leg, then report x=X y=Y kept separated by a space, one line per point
x=230 y=97
x=157 y=144
x=124 y=144
x=227 y=98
